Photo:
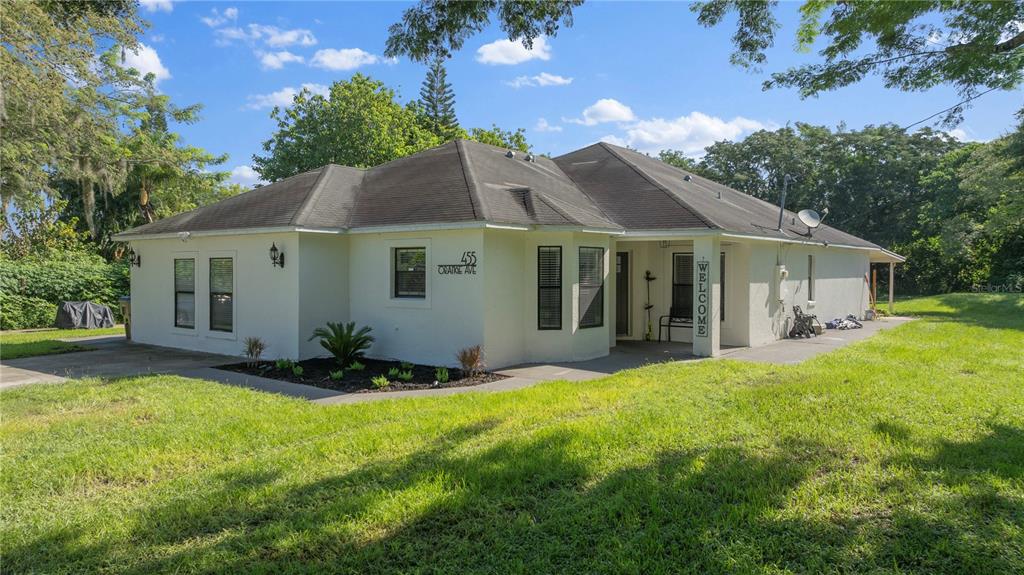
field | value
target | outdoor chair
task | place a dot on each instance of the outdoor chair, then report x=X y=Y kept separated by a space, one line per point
x=675 y=318
x=803 y=324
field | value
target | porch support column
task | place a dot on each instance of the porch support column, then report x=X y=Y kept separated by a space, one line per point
x=892 y=275
x=706 y=296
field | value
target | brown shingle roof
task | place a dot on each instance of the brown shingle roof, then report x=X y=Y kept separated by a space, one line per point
x=600 y=186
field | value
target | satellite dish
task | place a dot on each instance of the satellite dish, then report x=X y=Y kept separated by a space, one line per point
x=810 y=218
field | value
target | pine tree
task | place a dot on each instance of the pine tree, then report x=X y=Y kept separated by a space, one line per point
x=438 y=102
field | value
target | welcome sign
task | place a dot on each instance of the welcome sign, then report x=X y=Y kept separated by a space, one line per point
x=701 y=319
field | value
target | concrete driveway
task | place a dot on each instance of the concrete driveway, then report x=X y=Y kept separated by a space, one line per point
x=116 y=357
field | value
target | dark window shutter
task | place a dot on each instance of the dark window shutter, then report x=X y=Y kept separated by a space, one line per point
x=222 y=294
x=549 y=287
x=410 y=272
x=682 y=286
x=591 y=287
x=185 y=293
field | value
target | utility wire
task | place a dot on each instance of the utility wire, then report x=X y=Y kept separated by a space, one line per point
x=974 y=97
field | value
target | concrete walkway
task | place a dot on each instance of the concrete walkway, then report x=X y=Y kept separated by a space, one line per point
x=116 y=357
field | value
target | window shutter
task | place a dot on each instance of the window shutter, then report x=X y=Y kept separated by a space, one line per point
x=184 y=293
x=222 y=294
x=591 y=287
x=549 y=287
x=682 y=286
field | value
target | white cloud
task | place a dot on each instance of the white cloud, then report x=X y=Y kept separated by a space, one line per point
x=602 y=111
x=155 y=5
x=270 y=35
x=963 y=135
x=513 y=52
x=690 y=134
x=277 y=60
x=343 y=59
x=283 y=97
x=244 y=176
x=611 y=139
x=146 y=61
x=157 y=38
x=542 y=79
x=544 y=126
x=216 y=18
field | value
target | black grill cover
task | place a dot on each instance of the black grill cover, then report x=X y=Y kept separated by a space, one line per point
x=84 y=315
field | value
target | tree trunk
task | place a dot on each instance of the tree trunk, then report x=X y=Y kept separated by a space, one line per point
x=144 y=205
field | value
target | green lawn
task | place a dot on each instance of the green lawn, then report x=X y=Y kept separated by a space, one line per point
x=903 y=453
x=15 y=344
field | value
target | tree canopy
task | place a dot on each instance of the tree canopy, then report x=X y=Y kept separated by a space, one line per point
x=438 y=101
x=972 y=46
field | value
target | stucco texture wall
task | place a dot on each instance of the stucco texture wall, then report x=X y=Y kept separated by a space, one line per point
x=265 y=297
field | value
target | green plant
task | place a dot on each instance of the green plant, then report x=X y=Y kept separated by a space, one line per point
x=20 y=312
x=356 y=366
x=74 y=276
x=405 y=375
x=284 y=364
x=343 y=341
x=380 y=382
x=337 y=375
x=393 y=372
x=471 y=359
x=441 y=374
x=254 y=348
x=407 y=365
x=298 y=370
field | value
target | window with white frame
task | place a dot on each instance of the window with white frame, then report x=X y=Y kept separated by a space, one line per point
x=410 y=273
x=185 y=293
x=810 y=277
x=222 y=294
x=682 y=286
x=591 y=287
x=549 y=287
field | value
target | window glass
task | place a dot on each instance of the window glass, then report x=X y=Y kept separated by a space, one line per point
x=185 y=293
x=682 y=286
x=591 y=287
x=810 y=278
x=410 y=272
x=222 y=312
x=549 y=287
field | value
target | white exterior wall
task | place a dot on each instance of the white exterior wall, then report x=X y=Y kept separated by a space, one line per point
x=265 y=297
x=322 y=263
x=430 y=330
x=840 y=287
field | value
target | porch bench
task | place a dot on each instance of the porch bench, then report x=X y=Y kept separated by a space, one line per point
x=675 y=318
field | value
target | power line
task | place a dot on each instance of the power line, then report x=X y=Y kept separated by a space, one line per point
x=974 y=97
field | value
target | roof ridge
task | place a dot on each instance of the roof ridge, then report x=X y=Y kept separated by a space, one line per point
x=579 y=188
x=314 y=192
x=707 y=221
x=544 y=199
x=474 y=193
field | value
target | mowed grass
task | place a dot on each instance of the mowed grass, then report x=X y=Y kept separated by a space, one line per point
x=15 y=344
x=901 y=454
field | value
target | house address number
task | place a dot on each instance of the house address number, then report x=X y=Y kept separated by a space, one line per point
x=467 y=266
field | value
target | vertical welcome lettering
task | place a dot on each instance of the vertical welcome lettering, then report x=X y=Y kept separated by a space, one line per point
x=703 y=295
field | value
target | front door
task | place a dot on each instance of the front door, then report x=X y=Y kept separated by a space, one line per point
x=622 y=293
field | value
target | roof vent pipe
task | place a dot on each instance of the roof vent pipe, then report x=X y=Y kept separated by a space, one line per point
x=782 y=201
x=510 y=154
x=529 y=157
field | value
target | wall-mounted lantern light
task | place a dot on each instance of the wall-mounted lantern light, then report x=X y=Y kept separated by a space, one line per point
x=135 y=259
x=276 y=256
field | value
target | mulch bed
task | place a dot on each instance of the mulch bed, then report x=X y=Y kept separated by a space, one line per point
x=317 y=372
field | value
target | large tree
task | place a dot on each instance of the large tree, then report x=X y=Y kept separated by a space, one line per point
x=972 y=46
x=54 y=91
x=438 y=101
x=359 y=123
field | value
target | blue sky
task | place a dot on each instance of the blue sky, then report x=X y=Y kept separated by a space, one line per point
x=642 y=74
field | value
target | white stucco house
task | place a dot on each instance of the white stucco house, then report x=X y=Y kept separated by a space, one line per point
x=535 y=259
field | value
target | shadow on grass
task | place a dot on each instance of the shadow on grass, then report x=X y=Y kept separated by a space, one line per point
x=1001 y=311
x=533 y=505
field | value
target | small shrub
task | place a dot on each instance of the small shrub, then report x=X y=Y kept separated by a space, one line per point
x=355 y=366
x=441 y=374
x=393 y=372
x=254 y=348
x=337 y=375
x=20 y=312
x=284 y=364
x=297 y=370
x=405 y=375
x=380 y=382
x=471 y=359
x=344 y=342
x=407 y=365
